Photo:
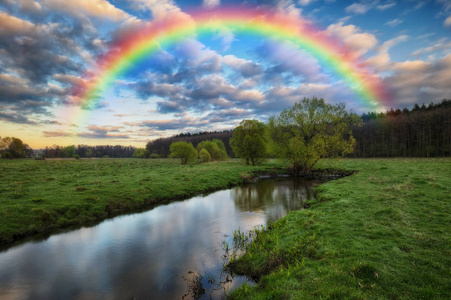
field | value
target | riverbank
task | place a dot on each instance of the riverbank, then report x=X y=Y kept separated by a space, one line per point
x=382 y=233
x=37 y=196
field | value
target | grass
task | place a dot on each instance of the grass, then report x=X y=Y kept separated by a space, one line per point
x=382 y=233
x=37 y=196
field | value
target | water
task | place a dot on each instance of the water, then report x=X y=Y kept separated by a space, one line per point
x=158 y=254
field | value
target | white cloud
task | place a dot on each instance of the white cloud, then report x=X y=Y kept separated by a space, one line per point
x=437 y=46
x=448 y=21
x=288 y=8
x=211 y=3
x=386 y=6
x=353 y=37
x=305 y=2
x=159 y=8
x=394 y=23
x=381 y=61
x=358 y=8
x=93 y=8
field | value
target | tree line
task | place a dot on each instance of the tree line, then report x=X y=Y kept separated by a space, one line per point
x=86 y=151
x=423 y=131
x=162 y=146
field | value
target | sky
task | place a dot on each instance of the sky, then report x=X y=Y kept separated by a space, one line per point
x=50 y=49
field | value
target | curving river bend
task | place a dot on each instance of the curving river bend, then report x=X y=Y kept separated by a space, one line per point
x=156 y=254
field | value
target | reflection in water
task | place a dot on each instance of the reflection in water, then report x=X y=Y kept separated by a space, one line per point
x=150 y=254
x=274 y=198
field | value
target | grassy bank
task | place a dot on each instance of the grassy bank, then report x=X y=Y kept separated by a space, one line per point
x=42 y=195
x=382 y=233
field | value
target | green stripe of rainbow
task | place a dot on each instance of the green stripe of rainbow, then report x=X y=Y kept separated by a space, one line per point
x=160 y=34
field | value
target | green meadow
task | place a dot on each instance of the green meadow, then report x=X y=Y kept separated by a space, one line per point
x=382 y=233
x=37 y=196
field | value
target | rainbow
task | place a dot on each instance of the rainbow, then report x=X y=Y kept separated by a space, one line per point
x=166 y=32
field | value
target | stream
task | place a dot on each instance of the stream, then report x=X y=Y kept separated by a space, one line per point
x=163 y=253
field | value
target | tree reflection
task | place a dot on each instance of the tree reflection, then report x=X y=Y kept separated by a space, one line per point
x=274 y=197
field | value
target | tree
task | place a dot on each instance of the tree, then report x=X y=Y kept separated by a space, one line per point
x=69 y=151
x=310 y=130
x=215 y=147
x=140 y=153
x=204 y=155
x=184 y=151
x=249 y=141
x=12 y=147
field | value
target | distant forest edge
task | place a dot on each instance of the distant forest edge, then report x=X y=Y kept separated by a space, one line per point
x=423 y=131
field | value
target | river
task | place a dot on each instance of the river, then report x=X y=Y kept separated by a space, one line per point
x=162 y=253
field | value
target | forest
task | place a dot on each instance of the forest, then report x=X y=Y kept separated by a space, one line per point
x=423 y=131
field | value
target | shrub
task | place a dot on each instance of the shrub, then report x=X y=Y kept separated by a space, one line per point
x=184 y=151
x=7 y=155
x=204 y=155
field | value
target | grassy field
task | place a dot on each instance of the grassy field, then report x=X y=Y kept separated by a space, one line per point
x=382 y=233
x=42 y=195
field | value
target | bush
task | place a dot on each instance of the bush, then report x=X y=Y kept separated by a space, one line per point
x=154 y=155
x=7 y=155
x=215 y=148
x=204 y=155
x=76 y=156
x=184 y=151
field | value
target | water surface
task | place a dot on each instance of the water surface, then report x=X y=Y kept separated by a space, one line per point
x=156 y=254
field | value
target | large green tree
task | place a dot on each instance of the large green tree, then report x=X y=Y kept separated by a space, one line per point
x=184 y=151
x=249 y=141
x=310 y=130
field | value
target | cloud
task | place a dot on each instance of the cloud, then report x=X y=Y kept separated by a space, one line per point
x=211 y=3
x=246 y=68
x=381 y=61
x=437 y=46
x=159 y=8
x=394 y=22
x=13 y=117
x=358 y=8
x=305 y=2
x=386 y=6
x=93 y=8
x=10 y=25
x=103 y=132
x=52 y=134
x=288 y=8
x=353 y=37
x=286 y=60
x=182 y=124
x=230 y=116
x=447 y=22
x=420 y=81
